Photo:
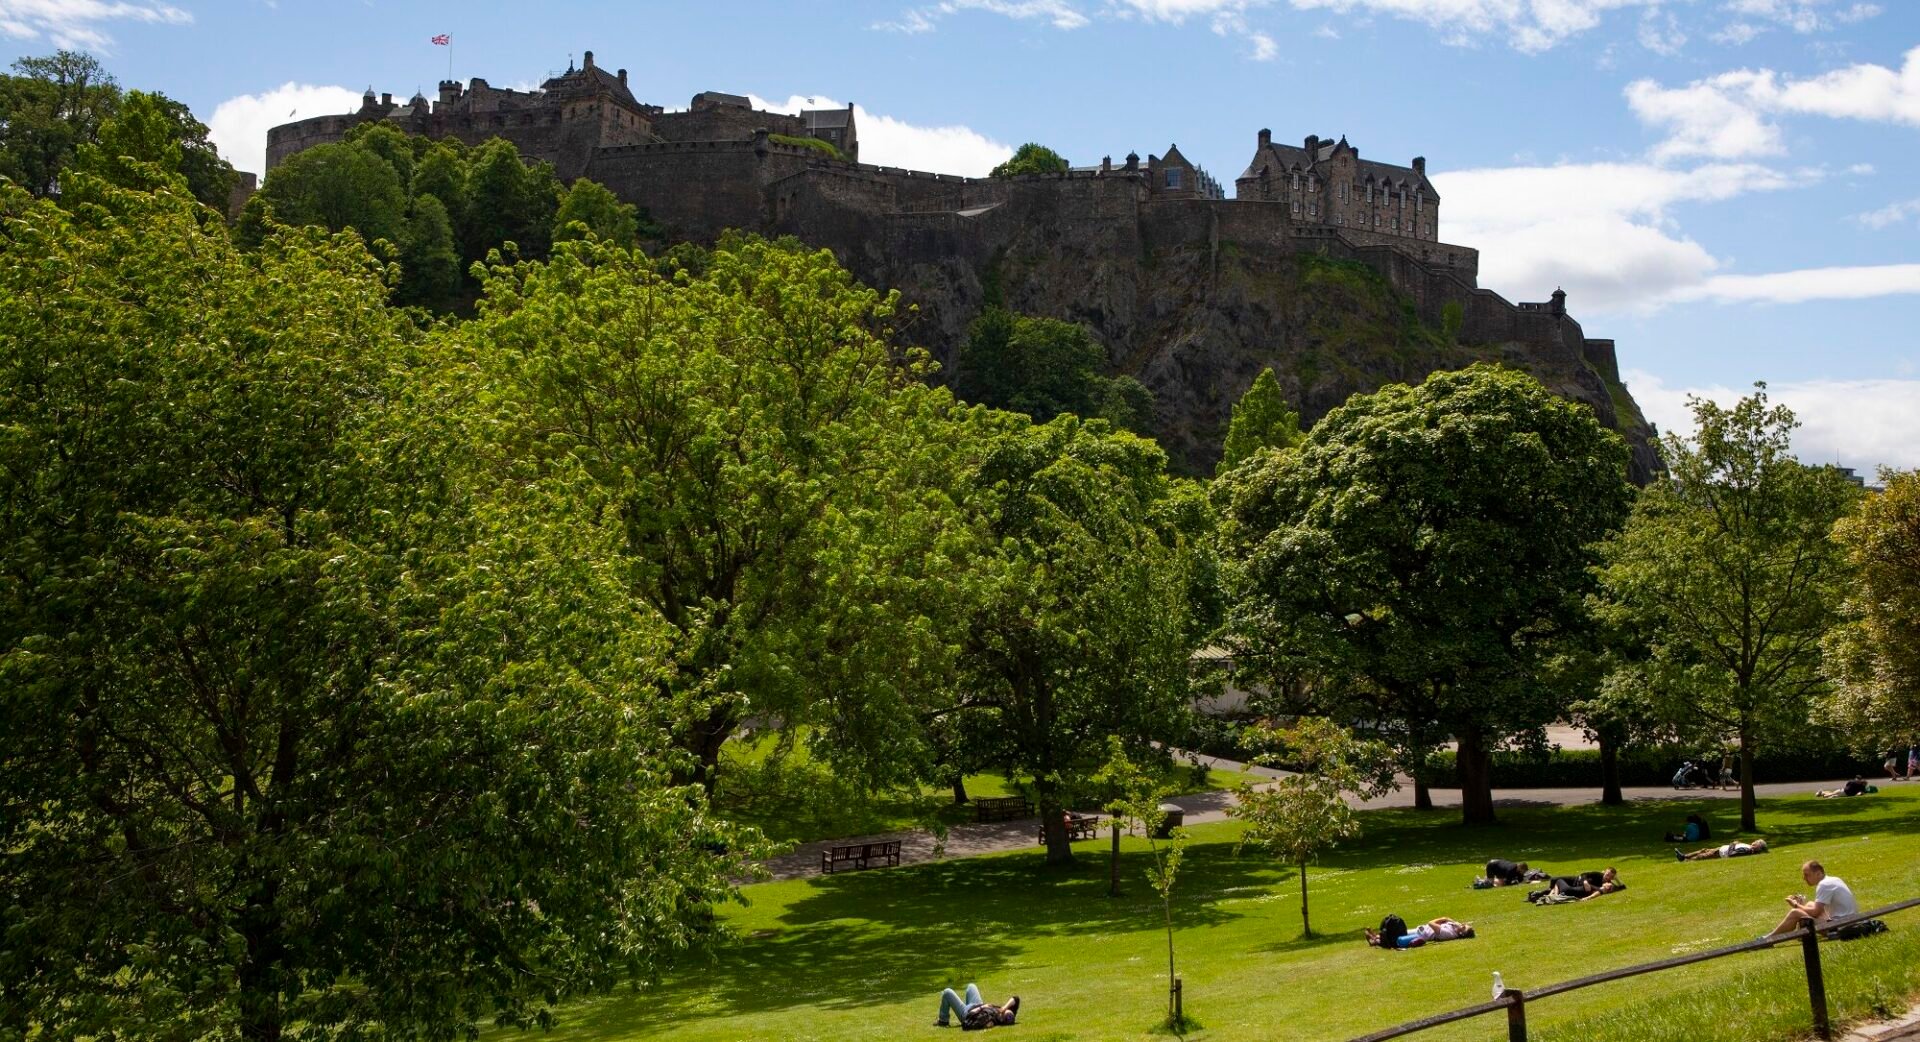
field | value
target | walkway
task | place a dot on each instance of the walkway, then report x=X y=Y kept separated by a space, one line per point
x=970 y=840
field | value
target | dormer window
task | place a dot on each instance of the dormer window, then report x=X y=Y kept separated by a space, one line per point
x=1313 y=184
x=1296 y=180
x=1173 y=177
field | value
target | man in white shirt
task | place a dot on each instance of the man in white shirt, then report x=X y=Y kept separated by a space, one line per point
x=1831 y=900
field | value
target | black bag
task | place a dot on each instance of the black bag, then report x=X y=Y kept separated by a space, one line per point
x=1863 y=928
x=1392 y=928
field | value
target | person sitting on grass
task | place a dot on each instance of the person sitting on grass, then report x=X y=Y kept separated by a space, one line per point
x=1736 y=849
x=1501 y=872
x=975 y=1013
x=1432 y=932
x=1832 y=899
x=1584 y=887
x=1695 y=831
x=1856 y=787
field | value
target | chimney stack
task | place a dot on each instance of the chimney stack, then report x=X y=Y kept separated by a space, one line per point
x=623 y=77
x=586 y=60
x=1313 y=146
x=1106 y=164
x=1266 y=137
x=1420 y=165
x=386 y=99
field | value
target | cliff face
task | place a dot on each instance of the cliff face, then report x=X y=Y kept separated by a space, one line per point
x=1195 y=317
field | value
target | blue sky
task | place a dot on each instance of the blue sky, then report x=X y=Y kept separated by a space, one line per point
x=1726 y=187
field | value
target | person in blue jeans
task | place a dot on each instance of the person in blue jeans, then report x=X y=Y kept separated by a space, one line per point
x=975 y=1012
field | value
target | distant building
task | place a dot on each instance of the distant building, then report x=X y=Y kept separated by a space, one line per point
x=1326 y=182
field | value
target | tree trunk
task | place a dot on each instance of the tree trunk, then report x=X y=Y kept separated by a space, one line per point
x=705 y=737
x=262 y=1018
x=1748 y=823
x=959 y=788
x=1422 y=796
x=1610 y=794
x=1053 y=824
x=1305 y=923
x=1113 y=864
x=1475 y=764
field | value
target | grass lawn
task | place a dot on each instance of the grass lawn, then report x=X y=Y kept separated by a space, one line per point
x=862 y=955
x=799 y=801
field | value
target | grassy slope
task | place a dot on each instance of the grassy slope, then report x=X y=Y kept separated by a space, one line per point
x=861 y=956
x=801 y=801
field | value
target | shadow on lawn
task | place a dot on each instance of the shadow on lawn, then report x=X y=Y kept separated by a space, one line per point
x=857 y=939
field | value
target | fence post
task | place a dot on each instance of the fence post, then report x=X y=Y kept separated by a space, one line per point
x=1516 y=1015
x=1816 y=981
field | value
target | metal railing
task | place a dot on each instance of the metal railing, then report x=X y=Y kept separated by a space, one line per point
x=1515 y=1001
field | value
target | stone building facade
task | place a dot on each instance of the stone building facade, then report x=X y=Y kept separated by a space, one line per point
x=1326 y=182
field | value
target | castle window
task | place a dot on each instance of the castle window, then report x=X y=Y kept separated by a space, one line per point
x=1314 y=210
x=1313 y=184
x=1376 y=220
x=1395 y=224
x=1343 y=191
x=1173 y=177
x=1296 y=207
x=1419 y=204
x=1369 y=191
x=1296 y=180
x=1339 y=218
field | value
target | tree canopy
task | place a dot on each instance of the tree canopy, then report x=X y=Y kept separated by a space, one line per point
x=1873 y=656
x=320 y=723
x=1045 y=368
x=1418 y=552
x=1031 y=158
x=1262 y=419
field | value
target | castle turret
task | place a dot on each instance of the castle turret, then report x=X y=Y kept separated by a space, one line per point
x=1559 y=306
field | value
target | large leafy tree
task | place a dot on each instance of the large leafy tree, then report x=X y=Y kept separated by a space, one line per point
x=746 y=421
x=1031 y=158
x=1262 y=419
x=1075 y=596
x=1873 y=657
x=1045 y=368
x=1419 y=554
x=51 y=106
x=336 y=186
x=1729 y=568
x=317 y=727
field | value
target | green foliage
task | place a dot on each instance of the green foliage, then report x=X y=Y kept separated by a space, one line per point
x=761 y=452
x=320 y=725
x=428 y=259
x=1306 y=812
x=136 y=143
x=1415 y=560
x=334 y=186
x=1820 y=759
x=1873 y=656
x=1728 y=568
x=589 y=208
x=825 y=148
x=1031 y=158
x=1262 y=419
x=507 y=202
x=1073 y=602
x=1137 y=806
x=1045 y=368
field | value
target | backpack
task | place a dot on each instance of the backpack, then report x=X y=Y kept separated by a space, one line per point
x=1392 y=928
x=981 y=1017
x=1863 y=928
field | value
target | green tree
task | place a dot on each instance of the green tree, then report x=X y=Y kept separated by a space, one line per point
x=1873 y=657
x=1075 y=603
x=1305 y=813
x=743 y=421
x=1045 y=368
x=334 y=186
x=429 y=265
x=1031 y=158
x=48 y=108
x=1262 y=419
x=1136 y=805
x=319 y=723
x=589 y=207
x=1729 y=568
x=441 y=172
x=507 y=201
x=152 y=136
x=1418 y=555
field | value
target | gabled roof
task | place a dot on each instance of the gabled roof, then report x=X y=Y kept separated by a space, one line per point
x=1283 y=158
x=723 y=98
x=827 y=118
x=588 y=79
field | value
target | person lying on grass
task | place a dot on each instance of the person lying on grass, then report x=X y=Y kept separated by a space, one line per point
x=1758 y=846
x=974 y=1012
x=1832 y=899
x=1441 y=929
x=1501 y=872
x=1584 y=887
x=1856 y=787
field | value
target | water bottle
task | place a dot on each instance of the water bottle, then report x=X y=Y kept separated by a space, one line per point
x=1499 y=986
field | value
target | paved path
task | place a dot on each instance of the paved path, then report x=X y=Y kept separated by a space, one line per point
x=1899 y=1029
x=969 y=840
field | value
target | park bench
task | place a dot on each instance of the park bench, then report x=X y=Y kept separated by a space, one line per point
x=1079 y=826
x=861 y=855
x=1002 y=808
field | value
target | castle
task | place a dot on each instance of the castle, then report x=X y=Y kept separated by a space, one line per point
x=1092 y=244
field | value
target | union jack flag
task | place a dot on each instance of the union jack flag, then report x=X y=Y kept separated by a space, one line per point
x=443 y=40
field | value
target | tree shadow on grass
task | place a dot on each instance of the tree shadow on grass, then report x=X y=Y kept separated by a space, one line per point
x=858 y=939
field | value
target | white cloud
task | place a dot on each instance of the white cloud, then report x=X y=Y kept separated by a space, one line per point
x=1857 y=423
x=74 y=23
x=1059 y=13
x=1738 y=34
x=1795 y=287
x=1801 y=16
x=238 y=127
x=1599 y=230
x=1729 y=116
x=1264 y=49
x=1889 y=215
x=1660 y=33
x=1528 y=25
x=887 y=141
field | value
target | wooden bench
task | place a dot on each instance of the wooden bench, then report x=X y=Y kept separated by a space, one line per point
x=861 y=855
x=1002 y=808
x=1079 y=826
